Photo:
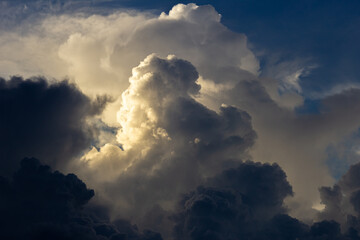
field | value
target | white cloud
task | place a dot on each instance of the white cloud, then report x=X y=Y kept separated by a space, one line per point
x=171 y=142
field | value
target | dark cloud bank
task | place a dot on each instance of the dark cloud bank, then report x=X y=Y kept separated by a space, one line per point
x=241 y=203
x=40 y=204
x=42 y=120
x=247 y=203
x=48 y=121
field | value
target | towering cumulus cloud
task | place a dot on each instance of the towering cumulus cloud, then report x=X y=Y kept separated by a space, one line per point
x=171 y=143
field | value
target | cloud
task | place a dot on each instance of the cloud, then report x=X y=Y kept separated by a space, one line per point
x=44 y=120
x=88 y=47
x=265 y=186
x=180 y=120
x=247 y=203
x=40 y=204
x=167 y=137
x=193 y=13
x=298 y=142
x=341 y=202
x=242 y=202
x=234 y=204
x=283 y=78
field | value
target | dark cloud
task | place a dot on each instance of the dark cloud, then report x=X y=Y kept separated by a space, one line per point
x=42 y=120
x=351 y=180
x=326 y=230
x=40 y=204
x=263 y=187
x=247 y=203
x=332 y=198
x=210 y=134
x=342 y=203
x=283 y=227
x=234 y=204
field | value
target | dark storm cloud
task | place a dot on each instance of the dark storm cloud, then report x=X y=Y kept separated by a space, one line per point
x=234 y=204
x=247 y=203
x=40 y=204
x=42 y=120
x=342 y=202
x=350 y=186
x=332 y=198
x=263 y=186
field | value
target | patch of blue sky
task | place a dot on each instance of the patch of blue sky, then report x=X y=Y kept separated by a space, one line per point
x=342 y=155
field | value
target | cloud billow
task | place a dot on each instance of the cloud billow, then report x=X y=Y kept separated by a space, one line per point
x=341 y=201
x=44 y=120
x=247 y=202
x=235 y=204
x=38 y=203
x=167 y=137
x=242 y=202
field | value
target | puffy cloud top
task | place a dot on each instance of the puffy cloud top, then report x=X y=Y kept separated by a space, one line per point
x=191 y=12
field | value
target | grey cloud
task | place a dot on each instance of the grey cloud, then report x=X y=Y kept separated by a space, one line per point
x=43 y=120
x=38 y=203
x=332 y=199
x=235 y=204
x=247 y=203
x=263 y=186
x=301 y=140
x=342 y=201
x=351 y=180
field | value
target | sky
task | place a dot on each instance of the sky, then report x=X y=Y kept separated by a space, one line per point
x=151 y=120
